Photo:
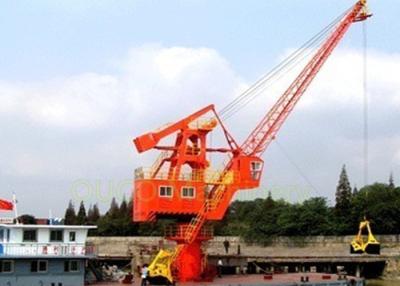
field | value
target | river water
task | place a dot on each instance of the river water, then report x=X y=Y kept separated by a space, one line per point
x=383 y=283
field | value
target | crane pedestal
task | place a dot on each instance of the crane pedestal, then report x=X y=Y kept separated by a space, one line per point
x=191 y=262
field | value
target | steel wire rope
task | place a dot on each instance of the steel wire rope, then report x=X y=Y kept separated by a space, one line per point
x=365 y=104
x=288 y=64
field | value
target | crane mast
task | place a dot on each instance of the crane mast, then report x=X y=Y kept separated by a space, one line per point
x=198 y=195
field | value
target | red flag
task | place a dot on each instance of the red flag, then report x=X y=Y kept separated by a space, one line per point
x=5 y=205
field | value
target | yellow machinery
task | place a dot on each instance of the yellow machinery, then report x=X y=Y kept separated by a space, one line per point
x=161 y=265
x=358 y=245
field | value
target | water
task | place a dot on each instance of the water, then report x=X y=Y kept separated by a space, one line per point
x=383 y=283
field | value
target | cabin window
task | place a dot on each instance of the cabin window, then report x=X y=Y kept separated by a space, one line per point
x=255 y=170
x=39 y=266
x=1 y=235
x=165 y=191
x=188 y=192
x=56 y=235
x=72 y=236
x=71 y=266
x=6 y=266
x=30 y=235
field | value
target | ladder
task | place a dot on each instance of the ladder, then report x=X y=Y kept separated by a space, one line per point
x=158 y=163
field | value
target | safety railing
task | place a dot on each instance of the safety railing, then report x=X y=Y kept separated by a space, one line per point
x=204 y=123
x=157 y=164
x=46 y=249
x=208 y=176
x=179 y=231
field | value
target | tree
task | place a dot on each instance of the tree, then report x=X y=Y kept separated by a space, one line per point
x=113 y=212
x=70 y=215
x=314 y=217
x=343 y=189
x=355 y=191
x=381 y=205
x=343 y=207
x=81 y=217
x=93 y=214
x=123 y=207
x=391 y=181
x=263 y=226
x=118 y=222
x=288 y=221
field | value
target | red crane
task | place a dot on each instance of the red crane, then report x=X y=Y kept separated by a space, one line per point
x=180 y=184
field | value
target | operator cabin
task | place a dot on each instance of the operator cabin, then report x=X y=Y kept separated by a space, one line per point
x=52 y=255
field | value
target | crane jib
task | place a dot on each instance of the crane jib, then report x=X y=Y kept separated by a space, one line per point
x=259 y=139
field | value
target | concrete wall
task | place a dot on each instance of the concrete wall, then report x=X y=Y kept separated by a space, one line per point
x=304 y=246
x=142 y=248
x=280 y=246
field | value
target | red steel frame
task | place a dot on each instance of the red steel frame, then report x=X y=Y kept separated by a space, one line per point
x=243 y=171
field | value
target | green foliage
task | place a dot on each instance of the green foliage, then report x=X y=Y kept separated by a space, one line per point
x=343 y=207
x=81 y=217
x=391 y=181
x=70 y=215
x=265 y=219
x=93 y=215
x=380 y=203
x=118 y=220
x=113 y=212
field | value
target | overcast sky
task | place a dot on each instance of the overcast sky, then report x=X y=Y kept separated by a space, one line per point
x=80 y=79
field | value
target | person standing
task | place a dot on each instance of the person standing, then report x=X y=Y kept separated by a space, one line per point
x=219 y=267
x=144 y=275
x=226 y=246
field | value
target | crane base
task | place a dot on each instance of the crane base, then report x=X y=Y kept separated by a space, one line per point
x=190 y=263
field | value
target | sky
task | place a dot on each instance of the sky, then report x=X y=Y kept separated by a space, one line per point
x=80 y=79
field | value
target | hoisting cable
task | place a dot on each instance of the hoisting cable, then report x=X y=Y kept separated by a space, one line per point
x=289 y=63
x=365 y=98
x=299 y=170
x=286 y=65
x=276 y=69
x=240 y=101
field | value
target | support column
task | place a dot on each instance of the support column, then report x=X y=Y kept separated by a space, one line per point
x=133 y=266
x=358 y=271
